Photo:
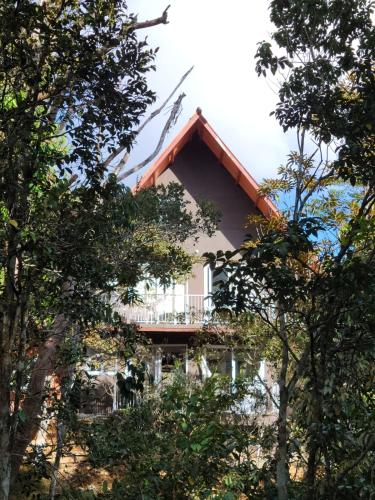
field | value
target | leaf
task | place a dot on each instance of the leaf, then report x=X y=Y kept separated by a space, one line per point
x=22 y=416
x=196 y=447
x=13 y=223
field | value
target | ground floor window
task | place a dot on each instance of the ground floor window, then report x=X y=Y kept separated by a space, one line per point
x=168 y=359
x=165 y=361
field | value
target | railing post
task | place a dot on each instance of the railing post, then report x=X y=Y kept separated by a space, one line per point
x=115 y=400
x=156 y=316
x=157 y=365
x=174 y=309
x=233 y=365
x=186 y=309
x=186 y=362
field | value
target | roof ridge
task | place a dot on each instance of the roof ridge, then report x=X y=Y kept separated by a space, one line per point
x=241 y=175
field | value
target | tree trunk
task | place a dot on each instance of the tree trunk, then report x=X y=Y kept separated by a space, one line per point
x=5 y=425
x=282 y=466
x=65 y=377
x=10 y=317
x=59 y=452
x=33 y=403
x=311 y=470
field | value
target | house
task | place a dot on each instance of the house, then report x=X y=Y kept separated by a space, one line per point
x=199 y=160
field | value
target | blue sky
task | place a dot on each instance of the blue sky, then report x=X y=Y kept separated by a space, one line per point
x=219 y=39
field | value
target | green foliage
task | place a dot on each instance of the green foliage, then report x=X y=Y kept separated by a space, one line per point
x=73 y=58
x=328 y=47
x=72 y=89
x=266 y=265
x=104 y=242
x=321 y=299
x=308 y=277
x=189 y=442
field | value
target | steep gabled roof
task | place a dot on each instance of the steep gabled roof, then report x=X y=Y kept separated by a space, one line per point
x=199 y=124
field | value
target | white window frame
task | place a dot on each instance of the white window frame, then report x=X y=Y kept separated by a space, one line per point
x=156 y=354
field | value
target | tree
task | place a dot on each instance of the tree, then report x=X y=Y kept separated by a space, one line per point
x=103 y=246
x=73 y=90
x=309 y=275
x=328 y=48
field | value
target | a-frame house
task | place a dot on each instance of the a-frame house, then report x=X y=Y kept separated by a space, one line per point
x=199 y=160
x=206 y=168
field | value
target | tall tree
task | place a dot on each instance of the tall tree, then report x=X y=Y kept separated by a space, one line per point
x=309 y=275
x=73 y=89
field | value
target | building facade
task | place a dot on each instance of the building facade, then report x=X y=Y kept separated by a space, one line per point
x=208 y=171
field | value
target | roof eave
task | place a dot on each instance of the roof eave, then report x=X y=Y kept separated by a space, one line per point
x=242 y=177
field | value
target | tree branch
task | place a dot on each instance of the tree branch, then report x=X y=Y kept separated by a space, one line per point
x=268 y=390
x=171 y=120
x=163 y=19
x=120 y=165
x=157 y=111
x=120 y=149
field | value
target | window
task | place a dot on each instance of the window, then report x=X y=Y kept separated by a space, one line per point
x=167 y=360
x=217 y=359
x=212 y=280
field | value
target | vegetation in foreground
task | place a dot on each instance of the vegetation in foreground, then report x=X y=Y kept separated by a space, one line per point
x=63 y=68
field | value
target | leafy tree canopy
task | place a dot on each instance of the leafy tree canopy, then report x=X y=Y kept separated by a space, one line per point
x=328 y=47
x=72 y=91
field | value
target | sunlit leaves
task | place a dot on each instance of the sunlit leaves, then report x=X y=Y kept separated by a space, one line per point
x=328 y=86
x=188 y=439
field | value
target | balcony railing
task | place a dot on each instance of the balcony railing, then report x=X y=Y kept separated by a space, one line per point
x=167 y=309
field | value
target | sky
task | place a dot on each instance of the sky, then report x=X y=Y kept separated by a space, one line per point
x=219 y=38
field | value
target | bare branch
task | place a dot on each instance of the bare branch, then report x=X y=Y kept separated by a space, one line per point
x=56 y=95
x=120 y=149
x=133 y=26
x=163 y=19
x=120 y=165
x=171 y=120
x=157 y=111
x=268 y=390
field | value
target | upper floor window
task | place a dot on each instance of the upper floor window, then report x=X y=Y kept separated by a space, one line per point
x=213 y=280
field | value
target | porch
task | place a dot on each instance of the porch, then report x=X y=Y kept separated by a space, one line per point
x=164 y=361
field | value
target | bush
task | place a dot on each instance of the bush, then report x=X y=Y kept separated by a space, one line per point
x=186 y=442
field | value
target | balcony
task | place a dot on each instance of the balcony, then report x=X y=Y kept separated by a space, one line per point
x=167 y=309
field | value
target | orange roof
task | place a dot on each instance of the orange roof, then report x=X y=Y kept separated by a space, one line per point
x=198 y=123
